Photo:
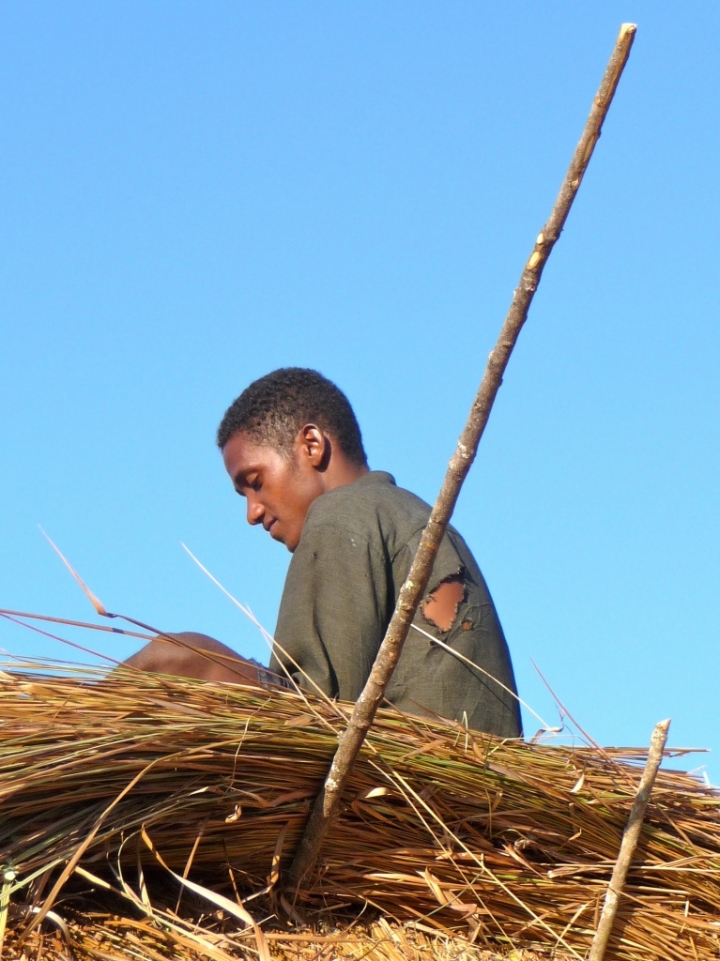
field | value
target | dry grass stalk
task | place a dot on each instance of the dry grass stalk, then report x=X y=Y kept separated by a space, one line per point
x=503 y=843
x=107 y=937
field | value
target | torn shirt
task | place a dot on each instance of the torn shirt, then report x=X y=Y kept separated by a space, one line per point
x=354 y=554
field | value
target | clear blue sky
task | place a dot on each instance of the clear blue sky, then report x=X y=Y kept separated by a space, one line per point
x=193 y=194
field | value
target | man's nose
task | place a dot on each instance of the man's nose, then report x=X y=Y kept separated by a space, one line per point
x=255 y=511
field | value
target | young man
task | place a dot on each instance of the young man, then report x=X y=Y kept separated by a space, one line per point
x=293 y=449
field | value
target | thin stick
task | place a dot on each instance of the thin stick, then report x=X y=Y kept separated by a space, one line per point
x=328 y=801
x=629 y=842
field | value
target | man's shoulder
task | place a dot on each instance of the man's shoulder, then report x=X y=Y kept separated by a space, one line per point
x=388 y=520
x=374 y=499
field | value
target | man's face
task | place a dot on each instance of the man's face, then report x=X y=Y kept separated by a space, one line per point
x=278 y=489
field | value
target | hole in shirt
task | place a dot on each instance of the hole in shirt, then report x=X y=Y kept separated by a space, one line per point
x=441 y=607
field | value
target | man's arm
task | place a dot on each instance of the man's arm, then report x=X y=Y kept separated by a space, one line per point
x=335 y=607
x=199 y=656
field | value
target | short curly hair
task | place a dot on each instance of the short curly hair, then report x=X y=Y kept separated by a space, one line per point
x=274 y=408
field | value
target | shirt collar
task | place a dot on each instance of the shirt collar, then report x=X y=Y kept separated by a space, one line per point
x=374 y=477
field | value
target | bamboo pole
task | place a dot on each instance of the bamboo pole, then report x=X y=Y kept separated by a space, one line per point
x=328 y=801
x=629 y=842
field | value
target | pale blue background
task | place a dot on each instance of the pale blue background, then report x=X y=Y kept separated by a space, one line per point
x=192 y=194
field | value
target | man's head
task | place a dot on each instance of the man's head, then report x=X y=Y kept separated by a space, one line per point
x=289 y=437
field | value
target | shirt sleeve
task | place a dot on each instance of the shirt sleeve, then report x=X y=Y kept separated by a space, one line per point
x=337 y=600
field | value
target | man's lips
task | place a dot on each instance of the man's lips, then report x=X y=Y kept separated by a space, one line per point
x=271 y=528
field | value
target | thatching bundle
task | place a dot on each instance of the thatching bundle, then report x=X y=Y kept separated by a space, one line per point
x=112 y=787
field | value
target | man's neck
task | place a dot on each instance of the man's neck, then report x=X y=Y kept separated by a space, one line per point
x=340 y=471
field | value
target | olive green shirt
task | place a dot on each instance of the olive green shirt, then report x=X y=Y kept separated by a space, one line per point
x=357 y=544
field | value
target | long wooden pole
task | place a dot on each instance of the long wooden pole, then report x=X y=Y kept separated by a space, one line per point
x=411 y=593
x=629 y=842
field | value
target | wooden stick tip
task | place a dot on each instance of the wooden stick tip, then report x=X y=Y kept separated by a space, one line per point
x=626 y=28
x=659 y=735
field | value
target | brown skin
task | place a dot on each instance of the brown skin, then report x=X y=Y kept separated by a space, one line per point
x=279 y=489
x=184 y=655
x=441 y=606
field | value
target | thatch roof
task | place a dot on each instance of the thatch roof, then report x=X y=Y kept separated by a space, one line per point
x=499 y=843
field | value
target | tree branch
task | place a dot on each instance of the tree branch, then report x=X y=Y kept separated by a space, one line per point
x=411 y=593
x=629 y=842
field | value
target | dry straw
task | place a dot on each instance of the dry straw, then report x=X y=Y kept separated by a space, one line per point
x=115 y=785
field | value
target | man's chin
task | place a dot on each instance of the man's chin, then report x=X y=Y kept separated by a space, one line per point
x=277 y=535
x=276 y=532
x=290 y=542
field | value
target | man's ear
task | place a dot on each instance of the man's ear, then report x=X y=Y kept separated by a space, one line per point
x=314 y=444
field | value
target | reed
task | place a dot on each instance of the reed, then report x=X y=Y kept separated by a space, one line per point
x=117 y=786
